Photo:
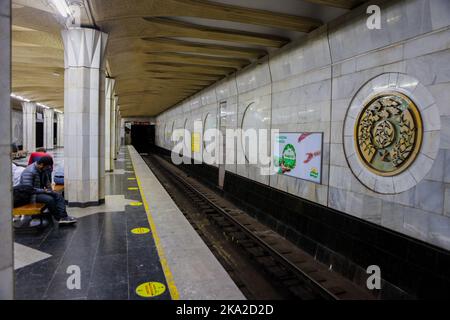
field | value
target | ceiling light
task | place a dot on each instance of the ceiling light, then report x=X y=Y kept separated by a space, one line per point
x=15 y=96
x=43 y=106
x=20 y=98
x=62 y=7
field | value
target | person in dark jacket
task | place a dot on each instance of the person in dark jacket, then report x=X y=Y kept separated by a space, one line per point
x=35 y=175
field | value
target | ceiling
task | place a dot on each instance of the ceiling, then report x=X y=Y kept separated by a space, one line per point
x=160 y=51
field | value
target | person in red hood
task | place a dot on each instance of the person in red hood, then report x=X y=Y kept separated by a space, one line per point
x=37 y=155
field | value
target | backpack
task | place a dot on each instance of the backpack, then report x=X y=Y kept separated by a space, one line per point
x=59 y=175
x=22 y=195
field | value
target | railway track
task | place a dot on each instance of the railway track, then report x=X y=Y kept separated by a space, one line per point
x=288 y=266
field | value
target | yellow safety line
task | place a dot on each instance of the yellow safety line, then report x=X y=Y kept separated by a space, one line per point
x=162 y=257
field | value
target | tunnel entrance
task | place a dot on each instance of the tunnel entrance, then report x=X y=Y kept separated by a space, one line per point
x=143 y=137
x=39 y=134
x=55 y=134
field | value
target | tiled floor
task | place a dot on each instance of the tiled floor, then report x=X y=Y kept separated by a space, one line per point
x=113 y=261
x=197 y=273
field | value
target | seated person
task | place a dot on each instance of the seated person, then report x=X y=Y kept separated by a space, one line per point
x=38 y=154
x=16 y=174
x=35 y=176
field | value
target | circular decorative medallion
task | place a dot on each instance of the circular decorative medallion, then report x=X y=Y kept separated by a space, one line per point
x=388 y=134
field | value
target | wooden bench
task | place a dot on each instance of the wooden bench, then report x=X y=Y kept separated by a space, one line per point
x=58 y=188
x=32 y=209
x=35 y=209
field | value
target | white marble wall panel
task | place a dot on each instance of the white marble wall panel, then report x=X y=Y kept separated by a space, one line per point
x=109 y=123
x=255 y=105
x=60 y=130
x=17 y=127
x=253 y=78
x=416 y=211
x=311 y=54
x=29 y=126
x=401 y=20
x=311 y=85
x=49 y=115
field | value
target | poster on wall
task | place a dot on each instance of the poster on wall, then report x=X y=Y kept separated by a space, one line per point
x=299 y=155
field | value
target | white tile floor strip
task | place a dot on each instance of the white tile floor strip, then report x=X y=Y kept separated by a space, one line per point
x=114 y=203
x=24 y=256
x=118 y=171
x=196 y=272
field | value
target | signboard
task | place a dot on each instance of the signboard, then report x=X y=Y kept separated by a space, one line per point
x=299 y=155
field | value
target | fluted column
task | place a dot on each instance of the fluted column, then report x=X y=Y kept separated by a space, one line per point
x=60 y=130
x=6 y=236
x=114 y=130
x=109 y=127
x=49 y=118
x=84 y=104
x=29 y=126
x=118 y=132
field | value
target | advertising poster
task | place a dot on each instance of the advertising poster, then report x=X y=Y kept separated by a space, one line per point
x=300 y=155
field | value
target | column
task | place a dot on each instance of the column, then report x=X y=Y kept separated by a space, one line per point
x=114 y=130
x=84 y=104
x=109 y=127
x=60 y=129
x=6 y=236
x=119 y=132
x=29 y=126
x=49 y=118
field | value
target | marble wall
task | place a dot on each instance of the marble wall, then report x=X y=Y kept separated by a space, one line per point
x=17 y=127
x=312 y=84
x=6 y=241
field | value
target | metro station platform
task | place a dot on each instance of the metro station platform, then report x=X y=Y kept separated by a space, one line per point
x=138 y=245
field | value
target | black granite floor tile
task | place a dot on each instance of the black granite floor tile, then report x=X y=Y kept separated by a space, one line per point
x=56 y=248
x=61 y=232
x=28 y=292
x=29 y=242
x=140 y=241
x=109 y=270
x=58 y=289
x=111 y=244
x=79 y=256
x=37 y=275
x=144 y=261
x=136 y=213
x=109 y=292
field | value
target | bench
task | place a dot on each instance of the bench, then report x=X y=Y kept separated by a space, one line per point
x=34 y=209
x=58 y=188
x=30 y=210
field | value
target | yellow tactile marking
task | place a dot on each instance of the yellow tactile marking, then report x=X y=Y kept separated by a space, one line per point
x=162 y=257
x=150 y=289
x=141 y=230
